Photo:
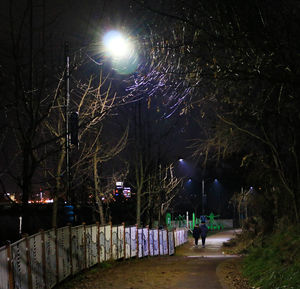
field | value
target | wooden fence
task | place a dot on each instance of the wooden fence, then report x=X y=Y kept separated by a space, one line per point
x=48 y=257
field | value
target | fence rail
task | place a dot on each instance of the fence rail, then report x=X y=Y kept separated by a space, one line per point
x=48 y=257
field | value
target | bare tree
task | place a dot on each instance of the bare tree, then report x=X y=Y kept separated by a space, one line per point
x=94 y=102
x=226 y=61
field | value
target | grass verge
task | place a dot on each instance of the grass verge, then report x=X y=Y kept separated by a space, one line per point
x=276 y=263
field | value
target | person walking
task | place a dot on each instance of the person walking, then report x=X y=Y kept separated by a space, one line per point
x=203 y=232
x=196 y=234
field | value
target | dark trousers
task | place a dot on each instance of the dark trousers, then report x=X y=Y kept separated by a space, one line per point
x=196 y=241
x=203 y=240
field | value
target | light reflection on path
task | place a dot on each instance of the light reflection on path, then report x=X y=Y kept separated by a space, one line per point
x=213 y=246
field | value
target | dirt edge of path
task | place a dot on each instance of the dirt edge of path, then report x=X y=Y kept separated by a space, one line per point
x=230 y=276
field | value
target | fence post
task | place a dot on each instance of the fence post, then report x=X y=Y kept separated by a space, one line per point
x=9 y=266
x=57 y=257
x=98 y=242
x=28 y=263
x=124 y=241
x=43 y=257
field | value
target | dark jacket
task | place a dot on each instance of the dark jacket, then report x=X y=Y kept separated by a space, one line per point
x=196 y=232
x=203 y=230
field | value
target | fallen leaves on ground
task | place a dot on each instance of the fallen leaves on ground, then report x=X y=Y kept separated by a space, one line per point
x=230 y=275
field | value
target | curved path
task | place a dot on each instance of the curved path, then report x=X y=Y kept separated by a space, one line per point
x=202 y=269
x=191 y=268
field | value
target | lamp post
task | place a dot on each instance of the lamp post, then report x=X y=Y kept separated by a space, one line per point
x=67 y=112
x=118 y=48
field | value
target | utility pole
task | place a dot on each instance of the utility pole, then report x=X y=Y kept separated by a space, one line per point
x=67 y=112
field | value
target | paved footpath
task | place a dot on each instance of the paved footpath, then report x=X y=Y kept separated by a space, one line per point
x=191 y=268
x=202 y=269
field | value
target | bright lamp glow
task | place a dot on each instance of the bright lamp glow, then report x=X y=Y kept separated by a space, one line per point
x=116 y=45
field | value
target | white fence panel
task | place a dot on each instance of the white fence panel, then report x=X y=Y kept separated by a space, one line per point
x=102 y=243
x=63 y=247
x=120 y=242
x=4 y=273
x=19 y=262
x=165 y=242
x=78 y=250
x=115 y=243
x=140 y=243
x=161 y=246
x=171 y=243
x=155 y=242
x=133 y=241
x=91 y=245
x=50 y=256
x=145 y=242
x=36 y=261
x=127 y=243
x=151 y=242
x=178 y=233
x=176 y=237
x=108 y=242
x=181 y=236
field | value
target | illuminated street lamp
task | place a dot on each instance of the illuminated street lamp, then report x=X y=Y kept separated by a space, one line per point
x=117 y=45
x=121 y=49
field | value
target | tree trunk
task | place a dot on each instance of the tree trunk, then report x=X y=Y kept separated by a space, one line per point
x=97 y=186
x=138 y=206
x=57 y=189
x=26 y=190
